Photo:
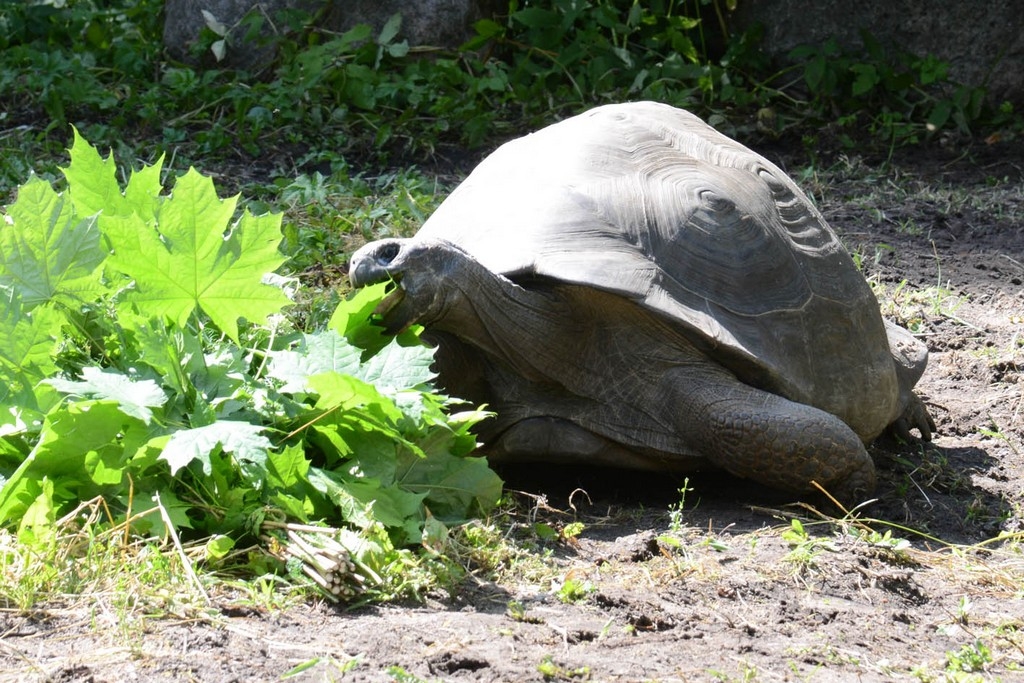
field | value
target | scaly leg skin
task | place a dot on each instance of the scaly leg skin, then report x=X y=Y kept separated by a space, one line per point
x=769 y=439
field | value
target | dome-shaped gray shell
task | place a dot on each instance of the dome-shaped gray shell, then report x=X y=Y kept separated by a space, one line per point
x=648 y=201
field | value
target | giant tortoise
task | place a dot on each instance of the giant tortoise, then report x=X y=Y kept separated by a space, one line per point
x=630 y=287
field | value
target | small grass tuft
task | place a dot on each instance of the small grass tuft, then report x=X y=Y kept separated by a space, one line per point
x=81 y=564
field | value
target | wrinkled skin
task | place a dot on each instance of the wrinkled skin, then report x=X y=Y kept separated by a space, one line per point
x=720 y=324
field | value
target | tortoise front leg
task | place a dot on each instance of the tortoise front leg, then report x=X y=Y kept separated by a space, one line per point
x=767 y=438
x=911 y=358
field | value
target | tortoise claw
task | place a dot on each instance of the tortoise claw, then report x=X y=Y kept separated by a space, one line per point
x=915 y=416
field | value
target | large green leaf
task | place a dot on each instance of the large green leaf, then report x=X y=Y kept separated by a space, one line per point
x=172 y=352
x=353 y=318
x=48 y=252
x=134 y=397
x=243 y=439
x=396 y=367
x=392 y=369
x=194 y=259
x=319 y=353
x=287 y=467
x=83 y=446
x=94 y=189
x=93 y=180
x=363 y=502
x=455 y=488
x=28 y=342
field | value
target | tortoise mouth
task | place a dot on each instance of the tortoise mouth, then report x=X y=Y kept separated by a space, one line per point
x=395 y=296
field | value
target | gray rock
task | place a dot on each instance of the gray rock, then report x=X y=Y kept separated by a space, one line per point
x=983 y=42
x=442 y=23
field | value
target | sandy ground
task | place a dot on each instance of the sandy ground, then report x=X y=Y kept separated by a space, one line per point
x=719 y=592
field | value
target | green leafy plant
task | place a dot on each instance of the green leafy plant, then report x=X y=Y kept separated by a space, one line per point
x=551 y=671
x=147 y=359
x=368 y=96
x=676 y=511
x=804 y=548
x=586 y=53
x=971 y=658
x=573 y=589
x=903 y=97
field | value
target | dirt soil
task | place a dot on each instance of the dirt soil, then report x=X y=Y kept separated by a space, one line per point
x=720 y=591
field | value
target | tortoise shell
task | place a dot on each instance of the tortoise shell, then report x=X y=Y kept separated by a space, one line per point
x=648 y=202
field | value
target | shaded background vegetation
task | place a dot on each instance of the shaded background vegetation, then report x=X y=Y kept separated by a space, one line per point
x=365 y=99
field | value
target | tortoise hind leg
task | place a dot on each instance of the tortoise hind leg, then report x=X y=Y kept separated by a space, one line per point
x=767 y=438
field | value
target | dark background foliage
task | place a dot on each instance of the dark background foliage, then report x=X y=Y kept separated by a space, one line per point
x=369 y=98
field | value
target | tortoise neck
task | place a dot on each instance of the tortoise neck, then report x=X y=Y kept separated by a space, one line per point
x=506 y=321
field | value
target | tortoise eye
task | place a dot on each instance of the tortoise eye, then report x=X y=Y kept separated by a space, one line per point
x=387 y=253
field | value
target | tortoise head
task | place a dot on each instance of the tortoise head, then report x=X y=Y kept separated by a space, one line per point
x=374 y=262
x=426 y=279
